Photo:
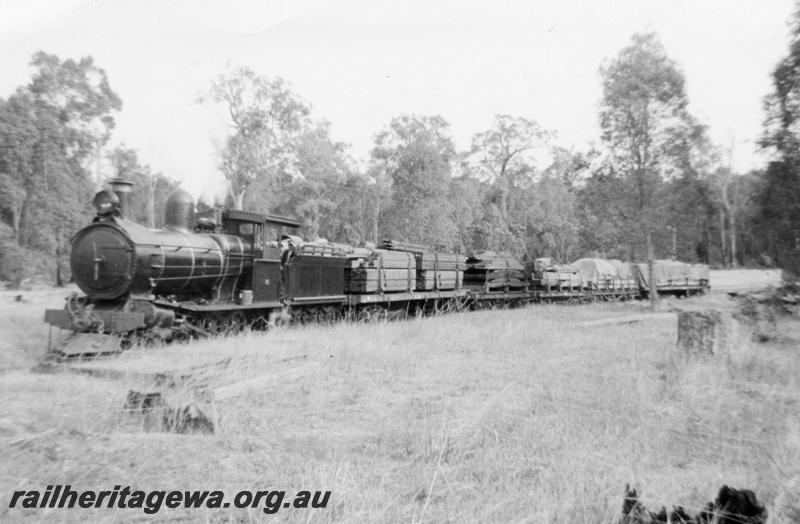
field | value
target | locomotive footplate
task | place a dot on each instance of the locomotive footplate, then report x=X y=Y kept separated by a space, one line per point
x=87 y=345
x=116 y=321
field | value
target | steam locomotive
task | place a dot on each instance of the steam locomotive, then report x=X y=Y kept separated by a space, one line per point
x=232 y=270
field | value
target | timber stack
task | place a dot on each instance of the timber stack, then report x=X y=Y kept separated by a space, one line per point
x=494 y=271
x=435 y=271
x=380 y=271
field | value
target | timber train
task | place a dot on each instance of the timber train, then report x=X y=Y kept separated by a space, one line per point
x=231 y=270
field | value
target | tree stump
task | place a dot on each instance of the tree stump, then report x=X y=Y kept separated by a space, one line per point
x=701 y=332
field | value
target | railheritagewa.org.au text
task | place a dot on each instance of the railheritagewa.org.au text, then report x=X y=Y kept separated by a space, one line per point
x=152 y=501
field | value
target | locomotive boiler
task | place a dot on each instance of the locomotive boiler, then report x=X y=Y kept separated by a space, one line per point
x=114 y=257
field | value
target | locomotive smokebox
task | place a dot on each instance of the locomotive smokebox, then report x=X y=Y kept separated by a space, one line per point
x=122 y=187
x=179 y=211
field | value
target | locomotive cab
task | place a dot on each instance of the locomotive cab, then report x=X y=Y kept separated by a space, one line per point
x=265 y=283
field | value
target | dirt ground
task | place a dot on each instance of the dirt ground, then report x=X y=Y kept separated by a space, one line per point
x=523 y=415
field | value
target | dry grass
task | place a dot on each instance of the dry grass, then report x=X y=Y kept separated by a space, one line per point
x=23 y=335
x=515 y=416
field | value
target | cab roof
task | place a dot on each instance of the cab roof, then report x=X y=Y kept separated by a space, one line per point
x=258 y=218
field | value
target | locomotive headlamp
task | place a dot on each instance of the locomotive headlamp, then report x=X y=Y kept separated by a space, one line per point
x=106 y=203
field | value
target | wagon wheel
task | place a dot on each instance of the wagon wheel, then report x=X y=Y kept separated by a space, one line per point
x=362 y=315
x=329 y=314
x=380 y=313
x=372 y=314
x=280 y=318
x=259 y=323
x=237 y=322
x=318 y=315
x=303 y=316
x=397 y=314
x=214 y=323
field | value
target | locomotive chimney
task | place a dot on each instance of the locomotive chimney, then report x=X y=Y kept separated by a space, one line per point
x=122 y=187
x=179 y=211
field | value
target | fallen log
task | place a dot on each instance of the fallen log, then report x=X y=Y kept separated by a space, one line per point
x=180 y=411
x=627 y=319
x=240 y=388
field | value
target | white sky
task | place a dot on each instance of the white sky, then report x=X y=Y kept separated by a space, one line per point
x=360 y=63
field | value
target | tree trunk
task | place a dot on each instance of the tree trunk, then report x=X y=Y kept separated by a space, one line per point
x=723 y=243
x=375 y=220
x=59 y=276
x=151 y=202
x=22 y=235
x=674 y=243
x=701 y=332
x=732 y=233
x=15 y=218
x=651 y=270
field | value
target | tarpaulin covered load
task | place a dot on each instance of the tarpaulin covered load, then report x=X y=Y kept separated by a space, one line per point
x=494 y=270
x=595 y=271
x=671 y=273
x=380 y=270
x=560 y=276
x=699 y=272
x=442 y=271
x=605 y=275
x=627 y=274
x=624 y=269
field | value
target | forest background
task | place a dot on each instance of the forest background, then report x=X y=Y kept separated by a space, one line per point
x=655 y=176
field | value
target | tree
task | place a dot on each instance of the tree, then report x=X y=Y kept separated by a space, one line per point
x=553 y=224
x=267 y=120
x=506 y=157
x=416 y=154
x=647 y=128
x=466 y=211
x=316 y=195
x=49 y=130
x=780 y=200
x=602 y=210
x=150 y=190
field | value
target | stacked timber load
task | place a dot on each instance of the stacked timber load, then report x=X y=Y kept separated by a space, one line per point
x=494 y=271
x=435 y=271
x=325 y=248
x=380 y=271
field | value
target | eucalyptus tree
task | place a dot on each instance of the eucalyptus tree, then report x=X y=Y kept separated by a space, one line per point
x=648 y=130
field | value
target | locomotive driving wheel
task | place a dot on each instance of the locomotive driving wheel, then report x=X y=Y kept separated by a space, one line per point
x=374 y=313
x=259 y=323
x=237 y=322
x=304 y=316
x=329 y=314
x=214 y=323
